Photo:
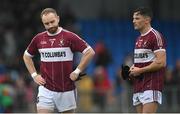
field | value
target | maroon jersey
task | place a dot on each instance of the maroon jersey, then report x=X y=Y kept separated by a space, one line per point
x=56 y=55
x=146 y=46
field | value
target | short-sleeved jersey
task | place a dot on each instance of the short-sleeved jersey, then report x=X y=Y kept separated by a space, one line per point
x=144 y=54
x=56 y=55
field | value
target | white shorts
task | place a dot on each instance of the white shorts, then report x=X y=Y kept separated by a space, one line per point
x=147 y=96
x=50 y=100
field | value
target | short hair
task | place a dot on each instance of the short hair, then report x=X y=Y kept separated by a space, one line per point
x=145 y=11
x=48 y=10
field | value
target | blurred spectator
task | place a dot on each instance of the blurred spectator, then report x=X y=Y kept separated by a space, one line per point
x=103 y=91
x=103 y=56
x=102 y=88
x=20 y=94
x=6 y=98
x=85 y=90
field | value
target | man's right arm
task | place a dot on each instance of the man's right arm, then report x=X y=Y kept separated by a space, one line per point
x=29 y=64
x=31 y=68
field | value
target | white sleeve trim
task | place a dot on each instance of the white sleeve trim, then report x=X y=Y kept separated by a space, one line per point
x=159 y=50
x=28 y=54
x=84 y=51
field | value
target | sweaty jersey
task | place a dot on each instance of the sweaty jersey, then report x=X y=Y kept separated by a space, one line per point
x=56 y=55
x=144 y=54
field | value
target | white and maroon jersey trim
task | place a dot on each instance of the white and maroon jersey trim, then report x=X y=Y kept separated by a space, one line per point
x=144 y=54
x=158 y=38
x=56 y=55
x=85 y=50
x=28 y=54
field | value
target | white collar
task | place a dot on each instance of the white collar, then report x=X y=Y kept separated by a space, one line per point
x=147 y=32
x=59 y=30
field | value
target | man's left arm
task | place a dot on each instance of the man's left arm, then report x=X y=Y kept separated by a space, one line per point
x=86 y=57
x=156 y=65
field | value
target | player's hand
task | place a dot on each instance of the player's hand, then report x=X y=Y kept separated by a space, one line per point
x=39 y=80
x=135 y=71
x=73 y=76
x=131 y=67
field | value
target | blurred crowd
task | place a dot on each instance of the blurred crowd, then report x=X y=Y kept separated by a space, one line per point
x=20 y=21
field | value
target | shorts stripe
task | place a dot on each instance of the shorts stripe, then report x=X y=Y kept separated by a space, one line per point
x=75 y=95
x=155 y=95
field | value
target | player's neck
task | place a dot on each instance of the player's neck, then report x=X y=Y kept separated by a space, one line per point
x=57 y=32
x=146 y=30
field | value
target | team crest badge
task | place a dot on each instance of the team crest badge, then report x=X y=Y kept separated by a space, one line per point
x=61 y=42
x=144 y=45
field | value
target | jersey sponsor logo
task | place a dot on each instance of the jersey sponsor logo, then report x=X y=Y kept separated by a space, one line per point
x=141 y=43
x=53 y=54
x=143 y=55
x=43 y=42
x=56 y=54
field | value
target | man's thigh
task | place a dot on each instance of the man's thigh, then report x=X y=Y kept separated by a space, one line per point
x=139 y=108
x=65 y=101
x=45 y=101
x=150 y=107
